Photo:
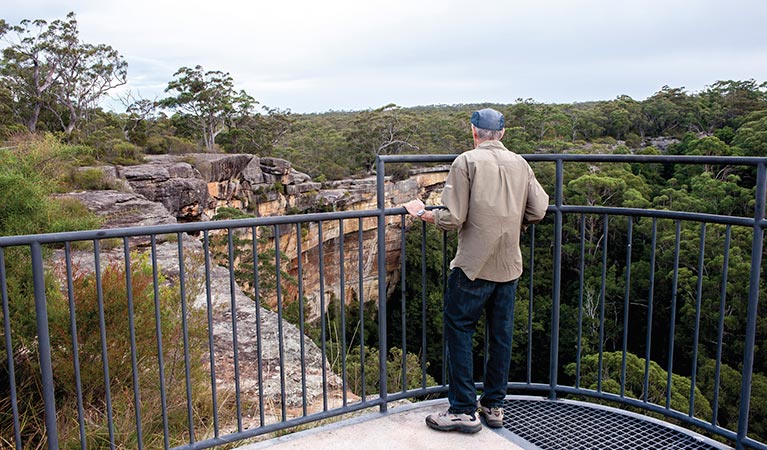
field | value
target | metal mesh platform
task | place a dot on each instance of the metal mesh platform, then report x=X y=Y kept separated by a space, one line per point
x=552 y=425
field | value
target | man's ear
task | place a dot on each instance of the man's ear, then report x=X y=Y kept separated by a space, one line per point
x=503 y=131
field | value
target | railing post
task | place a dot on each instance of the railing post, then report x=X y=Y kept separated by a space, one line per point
x=44 y=349
x=753 y=301
x=381 y=204
x=554 y=356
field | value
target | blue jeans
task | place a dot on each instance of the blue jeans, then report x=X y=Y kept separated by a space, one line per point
x=464 y=302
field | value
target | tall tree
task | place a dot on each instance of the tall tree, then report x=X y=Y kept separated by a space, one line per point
x=87 y=72
x=209 y=98
x=256 y=133
x=31 y=61
x=47 y=66
x=382 y=131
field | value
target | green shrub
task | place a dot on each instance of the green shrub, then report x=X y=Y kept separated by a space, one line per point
x=180 y=146
x=116 y=313
x=24 y=205
x=633 y=140
x=91 y=179
x=70 y=214
x=162 y=145
x=114 y=301
x=226 y=213
x=393 y=370
x=125 y=154
x=399 y=172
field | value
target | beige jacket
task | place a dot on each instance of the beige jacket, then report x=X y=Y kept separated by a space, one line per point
x=490 y=194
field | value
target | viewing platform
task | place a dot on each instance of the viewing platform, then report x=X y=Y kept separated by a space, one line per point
x=530 y=423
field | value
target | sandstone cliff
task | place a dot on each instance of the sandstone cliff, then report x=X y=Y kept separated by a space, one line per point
x=193 y=187
x=169 y=189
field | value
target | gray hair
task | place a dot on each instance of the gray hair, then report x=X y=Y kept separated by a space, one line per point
x=489 y=135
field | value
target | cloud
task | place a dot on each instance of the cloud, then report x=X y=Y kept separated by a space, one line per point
x=343 y=54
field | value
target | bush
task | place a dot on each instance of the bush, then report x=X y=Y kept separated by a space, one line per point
x=180 y=146
x=69 y=214
x=125 y=154
x=91 y=179
x=113 y=304
x=393 y=370
x=633 y=140
x=23 y=210
x=399 y=172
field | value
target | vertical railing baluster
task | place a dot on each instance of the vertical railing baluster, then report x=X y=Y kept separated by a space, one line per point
x=581 y=269
x=672 y=325
x=530 y=308
x=757 y=247
x=322 y=317
x=44 y=348
x=720 y=327
x=342 y=286
x=280 y=333
x=9 y=357
x=301 y=325
x=650 y=302
x=602 y=301
x=698 y=299
x=403 y=301
x=423 y=310
x=211 y=347
x=185 y=336
x=104 y=346
x=361 y=295
x=75 y=343
x=381 y=257
x=444 y=292
x=257 y=305
x=627 y=291
x=132 y=336
x=554 y=355
x=158 y=337
x=235 y=344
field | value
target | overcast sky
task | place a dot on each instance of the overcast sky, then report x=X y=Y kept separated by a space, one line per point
x=320 y=55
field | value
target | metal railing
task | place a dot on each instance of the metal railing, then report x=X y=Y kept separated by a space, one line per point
x=209 y=366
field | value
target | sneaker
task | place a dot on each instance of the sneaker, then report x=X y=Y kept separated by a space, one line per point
x=447 y=421
x=493 y=416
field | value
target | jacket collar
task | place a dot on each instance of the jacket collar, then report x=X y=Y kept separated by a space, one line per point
x=491 y=145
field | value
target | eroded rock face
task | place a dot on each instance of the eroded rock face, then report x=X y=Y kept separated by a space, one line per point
x=173 y=188
x=124 y=209
x=193 y=187
x=251 y=322
x=177 y=185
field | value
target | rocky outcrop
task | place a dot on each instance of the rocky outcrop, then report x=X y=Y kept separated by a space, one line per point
x=123 y=209
x=192 y=187
x=195 y=186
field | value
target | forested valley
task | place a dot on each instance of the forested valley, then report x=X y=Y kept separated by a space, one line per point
x=52 y=85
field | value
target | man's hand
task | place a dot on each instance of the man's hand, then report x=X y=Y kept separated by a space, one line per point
x=413 y=206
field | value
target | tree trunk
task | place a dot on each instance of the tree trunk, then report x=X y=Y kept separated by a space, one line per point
x=32 y=123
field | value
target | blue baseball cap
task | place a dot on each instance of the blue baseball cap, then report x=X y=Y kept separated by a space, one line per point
x=487 y=119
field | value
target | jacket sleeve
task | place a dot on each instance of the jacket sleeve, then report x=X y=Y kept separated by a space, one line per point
x=537 y=201
x=455 y=197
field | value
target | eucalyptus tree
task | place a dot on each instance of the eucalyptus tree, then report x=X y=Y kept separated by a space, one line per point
x=384 y=131
x=209 y=99
x=47 y=66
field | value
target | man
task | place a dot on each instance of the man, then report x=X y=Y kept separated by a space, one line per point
x=490 y=195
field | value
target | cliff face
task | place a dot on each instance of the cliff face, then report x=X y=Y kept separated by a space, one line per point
x=193 y=187
x=170 y=189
